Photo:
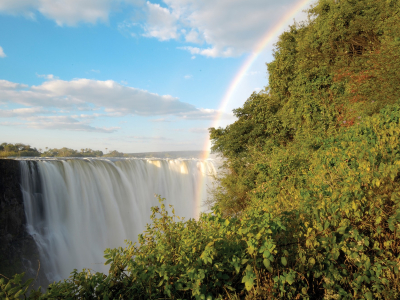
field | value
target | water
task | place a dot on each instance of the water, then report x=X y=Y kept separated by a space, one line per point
x=76 y=208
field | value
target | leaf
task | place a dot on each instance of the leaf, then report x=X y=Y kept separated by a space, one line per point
x=283 y=261
x=266 y=254
x=18 y=293
x=290 y=278
x=267 y=263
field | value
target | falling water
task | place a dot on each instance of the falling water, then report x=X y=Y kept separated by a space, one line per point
x=77 y=208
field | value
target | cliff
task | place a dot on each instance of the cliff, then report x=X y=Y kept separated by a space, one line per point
x=18 y=250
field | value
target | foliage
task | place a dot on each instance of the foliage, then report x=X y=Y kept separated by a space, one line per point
x=66 y=152
x=328 y=73
x=17 y=149
x=114 y=153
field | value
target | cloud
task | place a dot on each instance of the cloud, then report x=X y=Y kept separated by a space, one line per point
x=227 y=27
x=33 y=119
x=199 y=114
x=188 y=76
x=2 y=54
x=22 y=112
x=161 y=23
x=193 y=37
x=88 y=95
x=8 y=85
x=223 y=28
x=161 y=120
x=64 y=123
x=209 y=52
x=48 y=76
x=65 y=12
x=157 y=138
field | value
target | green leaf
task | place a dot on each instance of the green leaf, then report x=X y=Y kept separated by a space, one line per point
x=267 y=263
x=18 y=293
x=368 y=296
x=283 y=261
x=266 y=254
x=290 y=278
x=249 y=285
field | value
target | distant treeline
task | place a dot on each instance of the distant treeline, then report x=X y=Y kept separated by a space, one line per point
x=19 y=149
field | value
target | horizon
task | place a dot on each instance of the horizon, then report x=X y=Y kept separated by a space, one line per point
x=130 y=75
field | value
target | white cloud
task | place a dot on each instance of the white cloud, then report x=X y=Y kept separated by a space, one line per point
x=33 y=119
x=86 y=94
x=8 y=85
x=64 y=123
x=193 y=37
x=161 y=23
x=16 y=7
x=65 y=12
x=158 y=138
x=199 y=114
x=48 y=76
x=22 y=112
x=2 y=54
x=209 y=52
x=161 y=120
x=188 y=76
x=227 y=27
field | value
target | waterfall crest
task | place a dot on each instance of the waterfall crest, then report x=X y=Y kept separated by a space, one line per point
x=76 y=208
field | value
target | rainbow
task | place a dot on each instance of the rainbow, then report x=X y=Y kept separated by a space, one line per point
x=271 y=34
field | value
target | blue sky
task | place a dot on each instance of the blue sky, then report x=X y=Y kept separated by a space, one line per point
x=130 y=75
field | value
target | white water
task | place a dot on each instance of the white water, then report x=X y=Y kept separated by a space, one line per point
x=77 y=208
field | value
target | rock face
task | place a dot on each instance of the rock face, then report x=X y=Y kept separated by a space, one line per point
x=18 y=250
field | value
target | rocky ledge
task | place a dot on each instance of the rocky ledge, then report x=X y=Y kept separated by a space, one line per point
x=18 y=250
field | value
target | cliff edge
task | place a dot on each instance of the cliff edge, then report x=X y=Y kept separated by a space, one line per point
x=18 y=250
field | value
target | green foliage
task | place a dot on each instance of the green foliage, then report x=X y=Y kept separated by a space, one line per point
x=14 y=288
x=9 y=150
x=17 y=150
x=66 y=152
x=328 y=73
x=114 y=153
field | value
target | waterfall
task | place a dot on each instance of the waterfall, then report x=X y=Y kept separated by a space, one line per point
x=76 y=208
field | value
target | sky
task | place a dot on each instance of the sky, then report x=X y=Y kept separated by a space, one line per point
x=132 y=75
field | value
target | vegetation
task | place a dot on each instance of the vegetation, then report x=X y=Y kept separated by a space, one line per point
x=66 y=152
x=308 y=200
x=13 y=150
x=17 y=150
